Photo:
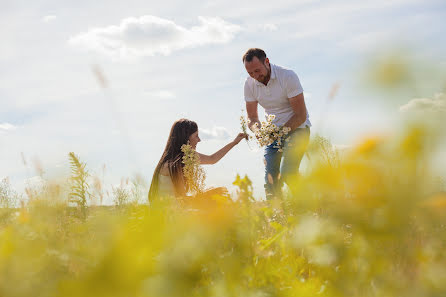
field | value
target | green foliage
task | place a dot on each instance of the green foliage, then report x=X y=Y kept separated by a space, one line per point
x=371 y=226
x=138 y=186
x=79 y=185
x=129 y=191
x=244 y=188
x=321 y=150
x=8 y=197
x=121 y=196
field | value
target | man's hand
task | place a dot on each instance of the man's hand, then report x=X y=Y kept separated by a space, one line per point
x=254 y=125
x=253 y=117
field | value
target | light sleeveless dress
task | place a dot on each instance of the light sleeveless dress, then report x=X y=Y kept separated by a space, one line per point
x=166 y=189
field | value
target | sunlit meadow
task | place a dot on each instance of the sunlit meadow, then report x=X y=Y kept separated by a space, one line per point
x=368 y=224
x=363 y=221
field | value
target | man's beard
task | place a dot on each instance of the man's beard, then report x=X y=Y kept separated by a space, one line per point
x=266 y=78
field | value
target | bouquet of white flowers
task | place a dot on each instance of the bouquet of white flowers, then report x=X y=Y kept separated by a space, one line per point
x=194 y=174
x=268 y=132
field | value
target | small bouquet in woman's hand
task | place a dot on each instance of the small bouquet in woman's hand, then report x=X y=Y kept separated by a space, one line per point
x=244 y=124
x=268 y=133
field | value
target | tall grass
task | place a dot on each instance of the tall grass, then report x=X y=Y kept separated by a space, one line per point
x=367 y=222
x=373 y=225
x=79 y=194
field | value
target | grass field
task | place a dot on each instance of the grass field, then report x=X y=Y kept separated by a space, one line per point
x=369 y=223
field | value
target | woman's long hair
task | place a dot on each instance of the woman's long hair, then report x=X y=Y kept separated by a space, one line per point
x=179 y=134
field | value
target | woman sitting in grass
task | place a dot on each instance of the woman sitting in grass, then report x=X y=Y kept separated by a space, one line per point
x=168 y=178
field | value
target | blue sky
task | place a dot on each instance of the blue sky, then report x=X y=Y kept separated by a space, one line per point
x=171 y=59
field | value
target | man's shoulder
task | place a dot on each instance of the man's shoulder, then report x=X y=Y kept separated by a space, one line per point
x=283 y=71
x=249 y=81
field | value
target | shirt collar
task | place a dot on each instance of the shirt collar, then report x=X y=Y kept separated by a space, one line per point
x=273 y=71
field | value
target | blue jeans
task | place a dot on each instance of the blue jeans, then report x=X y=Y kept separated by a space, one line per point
x=284 y=166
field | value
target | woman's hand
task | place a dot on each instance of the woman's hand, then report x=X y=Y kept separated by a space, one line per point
x=239 y=137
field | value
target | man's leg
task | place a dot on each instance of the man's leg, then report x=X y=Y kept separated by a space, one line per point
x=273 y=183
x=293 y=153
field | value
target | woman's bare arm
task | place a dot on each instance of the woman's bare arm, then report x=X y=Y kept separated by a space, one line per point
x=215 y=157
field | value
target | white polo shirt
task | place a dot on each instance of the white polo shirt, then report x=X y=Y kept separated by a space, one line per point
x=273 y=97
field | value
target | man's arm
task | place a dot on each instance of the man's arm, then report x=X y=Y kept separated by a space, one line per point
x=300 y=111
x=253 y=116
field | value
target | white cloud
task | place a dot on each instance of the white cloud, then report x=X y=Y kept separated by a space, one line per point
x=218 y=133
x=436 y=104
x=48 y=18
x=160 y=94
x=7 y=127
x=269 y=27
x=150 y=35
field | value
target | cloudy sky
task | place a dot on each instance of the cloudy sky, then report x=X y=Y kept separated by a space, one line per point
x=106 y=79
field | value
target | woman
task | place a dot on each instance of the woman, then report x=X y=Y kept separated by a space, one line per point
x=168 y=177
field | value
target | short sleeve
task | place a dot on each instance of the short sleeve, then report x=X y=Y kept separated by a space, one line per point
x=293 y=86
x=249 y=97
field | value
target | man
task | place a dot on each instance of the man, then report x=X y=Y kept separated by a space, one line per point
x=279 y=92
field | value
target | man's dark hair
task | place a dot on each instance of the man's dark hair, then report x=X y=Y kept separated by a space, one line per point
x=254 y=52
